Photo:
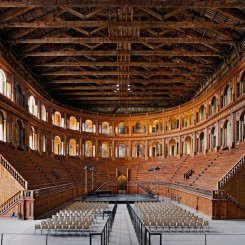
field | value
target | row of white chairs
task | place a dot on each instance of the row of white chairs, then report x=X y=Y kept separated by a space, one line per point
x=167 y=216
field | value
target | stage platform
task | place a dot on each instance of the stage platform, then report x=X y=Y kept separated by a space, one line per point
x=121 y=198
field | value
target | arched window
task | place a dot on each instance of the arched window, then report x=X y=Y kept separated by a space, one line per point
x=241 y=85
x=156 y=126
x=32 y=105
x=227 y=133
x=188 y=145
x=122 y=151
x=201 y=113
x=88 y=149
x=20 y=133
x=2 y=127
x=43 y=142
x=213 y=105
x=105 y=150
x=57 y=145
x=32 y=139
x=88 y=126
x=172 y=147
x=57 y=119
x=105 y=128
x=73 y=123
x=186 y=119
x=156 y=149
x=201 y=143
x=44 y=115
x=72 y=147
x=139 y=128
x=173 y=123
x=213 y=138
x=227 y=96
x=3 y=84
x=122 y=129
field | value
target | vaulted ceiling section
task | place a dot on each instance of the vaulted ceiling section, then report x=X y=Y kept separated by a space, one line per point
x=108 y=56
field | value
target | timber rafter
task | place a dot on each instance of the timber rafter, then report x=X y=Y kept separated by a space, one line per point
x=92 y=53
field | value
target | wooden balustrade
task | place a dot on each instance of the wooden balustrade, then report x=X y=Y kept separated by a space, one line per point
x=232 y=172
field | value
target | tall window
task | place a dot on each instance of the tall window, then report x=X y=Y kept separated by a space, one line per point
x=73 y=124
x=213 y=138
x=201 y=148
x=88 y=126
x=201 y=113
x=19 y=97
x=122 y=151
x=57 y=145
x=32 y=139
x=43 y=113
x=3 y=84
x=20 y=133
x=32 y=105
x=213 y=105
x=227 y=96
x=72 y=147
x=105 y=150
x=57 y=119
x=105 y=128
x=227 y=134
x=2 y=127
x=88 y=149
x=188 y=145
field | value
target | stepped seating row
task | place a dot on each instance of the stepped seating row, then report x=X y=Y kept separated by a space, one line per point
x=167 y=216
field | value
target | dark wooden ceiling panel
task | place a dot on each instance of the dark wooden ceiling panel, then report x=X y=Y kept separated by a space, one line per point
x=131 y=53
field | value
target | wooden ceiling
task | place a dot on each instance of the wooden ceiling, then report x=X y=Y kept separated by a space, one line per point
x=105 y=55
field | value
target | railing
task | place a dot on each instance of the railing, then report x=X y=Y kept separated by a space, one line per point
x=183 y=187
x=144 y=188
x=142 y=232
x=222 y=194
x=111 y=183
x=232 y=172
x=55 y=189
x=104 y=234
x=21 y=195
x=13 y=172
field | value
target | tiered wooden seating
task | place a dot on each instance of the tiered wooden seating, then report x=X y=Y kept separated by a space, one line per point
x=36 y=176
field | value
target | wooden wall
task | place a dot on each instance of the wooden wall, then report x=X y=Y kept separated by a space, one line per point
x=9 y=186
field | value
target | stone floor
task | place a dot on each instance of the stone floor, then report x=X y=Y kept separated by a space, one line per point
x=222 y=232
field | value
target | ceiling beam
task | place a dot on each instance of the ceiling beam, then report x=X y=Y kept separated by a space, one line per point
x=117 y=53
x=117 y=73
x=68 y=87
x=107 y=81
x=102 y=40
x=111 y=64
x=125 y=3
x=134 y=24
x=110 y=98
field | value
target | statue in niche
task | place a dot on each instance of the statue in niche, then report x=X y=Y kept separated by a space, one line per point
x=139 y=150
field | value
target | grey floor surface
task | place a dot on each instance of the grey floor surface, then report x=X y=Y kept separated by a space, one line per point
x=221 y=232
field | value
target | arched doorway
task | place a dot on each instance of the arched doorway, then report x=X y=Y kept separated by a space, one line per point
x=122 y=184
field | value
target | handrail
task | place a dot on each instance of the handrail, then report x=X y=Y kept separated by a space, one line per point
x=6 y=205
x=55 y=188
x=24 y=194
x=13 y=172
x=223 y=194
x=142 y=232
x=185 y=187
x=104 y=184
x=232 y=172
x=144 y=188
x=104 y=234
